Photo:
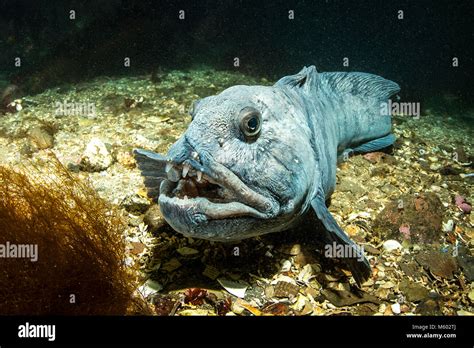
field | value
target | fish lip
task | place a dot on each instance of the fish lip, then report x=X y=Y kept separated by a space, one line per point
x=245 y=201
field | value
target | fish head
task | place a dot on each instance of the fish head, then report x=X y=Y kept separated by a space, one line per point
x=242 y=168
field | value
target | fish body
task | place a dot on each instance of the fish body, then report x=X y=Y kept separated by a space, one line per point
x=256 y=159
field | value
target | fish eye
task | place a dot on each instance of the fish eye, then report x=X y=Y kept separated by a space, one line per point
x=250 y=122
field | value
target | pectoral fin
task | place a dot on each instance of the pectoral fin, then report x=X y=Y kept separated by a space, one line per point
x=153 y=168
x=357 y=263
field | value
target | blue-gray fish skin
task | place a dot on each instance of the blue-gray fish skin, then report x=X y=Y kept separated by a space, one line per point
x=256 y=159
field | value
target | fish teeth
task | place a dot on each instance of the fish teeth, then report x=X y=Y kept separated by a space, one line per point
x=195 y=155
x=185 y=196
x=186 y=168
x=199 y=176
x=168 y=167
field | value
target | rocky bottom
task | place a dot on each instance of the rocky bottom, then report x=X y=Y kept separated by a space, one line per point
x=410 y=208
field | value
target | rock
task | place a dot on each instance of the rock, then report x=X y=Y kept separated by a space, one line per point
x=423 y=215
x=439 y=263
x=186 y=251
x=396 y=308
x=342 y=298
x=153 y=218
x=138 y=248
x=135 y=204
x=391 y=245
x=286 y=266
x=460 y=155
x=429 y=306
x=41 y=138
x=448 y=226
x=414 y=292
x=377 y=157
x=466 y=261
x=96 y=157
x=347 y=185
x=471 y=294
x=171 y=265
x=410 y=269
x=126 y=159
x=449 y=170
x=150 y=287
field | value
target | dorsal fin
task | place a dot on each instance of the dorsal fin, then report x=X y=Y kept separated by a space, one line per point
x=362 y=84
x=306 y=79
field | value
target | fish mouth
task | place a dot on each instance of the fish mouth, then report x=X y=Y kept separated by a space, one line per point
x=195 y=192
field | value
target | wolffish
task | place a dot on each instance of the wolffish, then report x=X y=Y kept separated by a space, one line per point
x=257 y=159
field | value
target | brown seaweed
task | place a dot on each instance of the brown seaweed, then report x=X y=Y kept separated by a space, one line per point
x=80 y=269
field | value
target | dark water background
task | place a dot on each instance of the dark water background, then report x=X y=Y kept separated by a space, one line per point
x=416 y=52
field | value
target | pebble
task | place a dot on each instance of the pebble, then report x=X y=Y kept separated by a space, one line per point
x=96 y=157
x=286 y=266
x=185 y=251
x=396 y=308
x=391 y=245
x=41 y=138
x=135 y=204
x=471 y=295
x=153 y=218
x=448 y=226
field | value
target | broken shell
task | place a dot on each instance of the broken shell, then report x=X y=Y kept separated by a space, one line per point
x=391 y=245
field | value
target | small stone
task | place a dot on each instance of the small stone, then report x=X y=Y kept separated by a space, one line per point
x=135 y=204
x=448 y=226
x=391 y=245
x=150 y=287
x=341 y=298
x=171 y=265
x=396 y=308
x=137 y=248
x=96 y=157
x=41 y=138
x=306 y=273
x=471 y=294
x=186 y=251
x=414 y=292
x=295 y=249
x=286 y=266
x=292 y=250
x=126 y=159
x=269 y=291
x=439 y=263
x=153 y=218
